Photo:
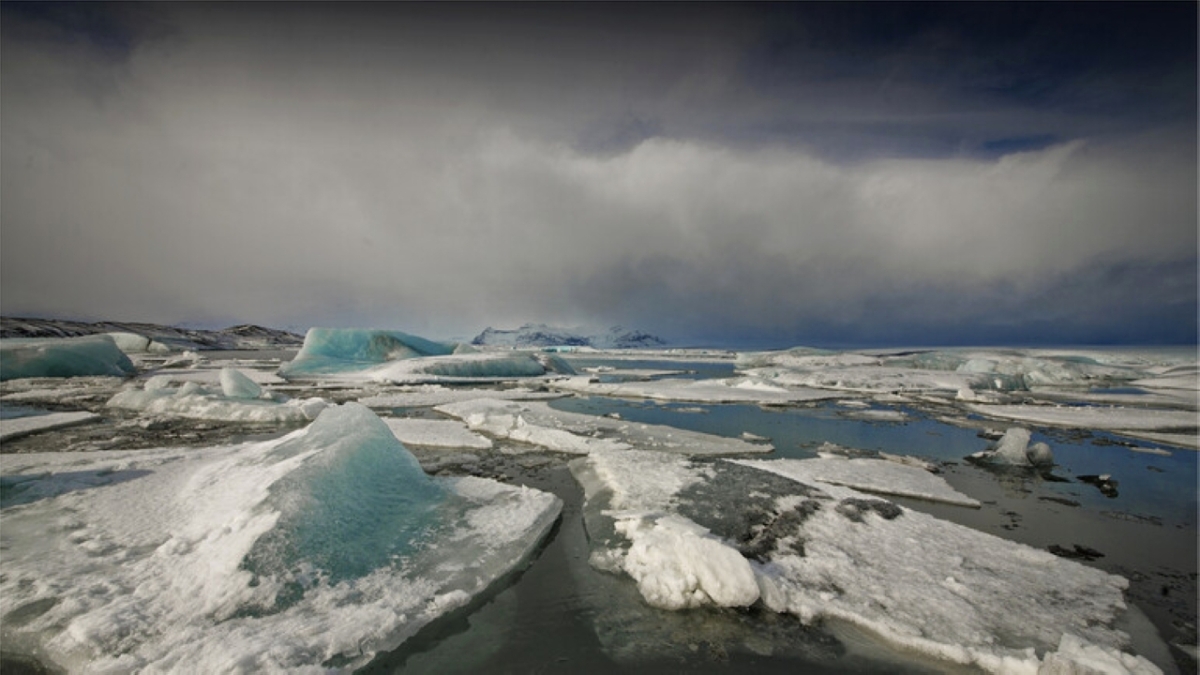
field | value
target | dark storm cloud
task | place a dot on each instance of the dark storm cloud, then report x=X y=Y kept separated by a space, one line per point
x=787 y=173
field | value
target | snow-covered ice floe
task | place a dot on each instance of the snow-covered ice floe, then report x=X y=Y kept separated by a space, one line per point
x=877 y=476
x=436 y=433
x=15 y=427
x=309 y=553
x=693 y=532
x=240 y=399
x=1014 y=449
x=1174 y=427
x=340 y=350
x=429 y=395
x=732 y=390
x=63 y=357
x=536 y=423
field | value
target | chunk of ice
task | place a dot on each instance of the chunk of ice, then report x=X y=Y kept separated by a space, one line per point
x=62 y=357
x=335 y=350
x=235 y=384
x=877 y=476
x=323 y=547
x=16 y=427
x=819 y=550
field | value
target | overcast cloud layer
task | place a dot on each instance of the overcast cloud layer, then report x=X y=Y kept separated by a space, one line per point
x=820 y=174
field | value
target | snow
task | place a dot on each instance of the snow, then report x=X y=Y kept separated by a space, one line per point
x=734 y=390
x=429 y=395
x=264 y=557
x=62 y=357
x=194 y=401
x=335 y=350
x=536 y=423
x=877 y=476
x=821 y=551
x=15 y=427
x=468 y=367
x=436 y=433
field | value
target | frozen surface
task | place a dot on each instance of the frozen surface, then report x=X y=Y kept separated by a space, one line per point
x=62 y=357
x=429 y=395
x=436 y=433
x=197 y=402
x=676 y=526
x=536 y=423
x=335 y=350
x=309 y=552
x=15 y=427
x=733 y=390
x=876 y=476
x=1111 y=418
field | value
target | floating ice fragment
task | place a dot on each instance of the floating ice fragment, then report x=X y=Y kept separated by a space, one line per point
x=62 y=357
x=334 y=350
x=302 y=554
x=11 y=428
x=1014 y=449
x=234 y=384
x=194 y=401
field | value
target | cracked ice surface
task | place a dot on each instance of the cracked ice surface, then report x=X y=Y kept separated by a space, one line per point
x=306 y=553
x=692 y=532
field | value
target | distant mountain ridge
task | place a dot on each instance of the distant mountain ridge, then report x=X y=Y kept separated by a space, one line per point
x=542 y=335
x=244 y=336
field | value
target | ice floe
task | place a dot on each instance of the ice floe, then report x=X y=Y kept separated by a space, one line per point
x=536 y=423
x=15 y=427
x=1014 y=449
x=678 y=527
x=429 y=395
x=877 y=476
x=436 y=433
x=304 y=554
x=734 y=390
x=62 y=357
x=1110 y=418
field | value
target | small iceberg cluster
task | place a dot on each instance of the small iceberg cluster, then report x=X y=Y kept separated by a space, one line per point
x=240 y=399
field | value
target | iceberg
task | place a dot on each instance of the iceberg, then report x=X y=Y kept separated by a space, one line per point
x=309 y=553
x=335 y=350
x=63 y=357
x=1014 y=449
x=692 y=532
x=232 y=404
x=429 y=395
x=133 y=343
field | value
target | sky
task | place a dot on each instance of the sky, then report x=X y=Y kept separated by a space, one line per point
x=721 y=174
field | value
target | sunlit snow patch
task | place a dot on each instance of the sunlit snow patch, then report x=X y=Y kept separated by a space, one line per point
x=696 y=532
x=62 y=357
x=316 y=550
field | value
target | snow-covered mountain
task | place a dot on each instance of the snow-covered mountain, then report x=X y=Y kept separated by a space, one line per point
x=541 y=335
x=246 y=336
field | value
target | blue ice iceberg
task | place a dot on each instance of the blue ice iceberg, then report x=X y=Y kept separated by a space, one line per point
x=335 y=350
x=308 y=553
x=63 y=357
